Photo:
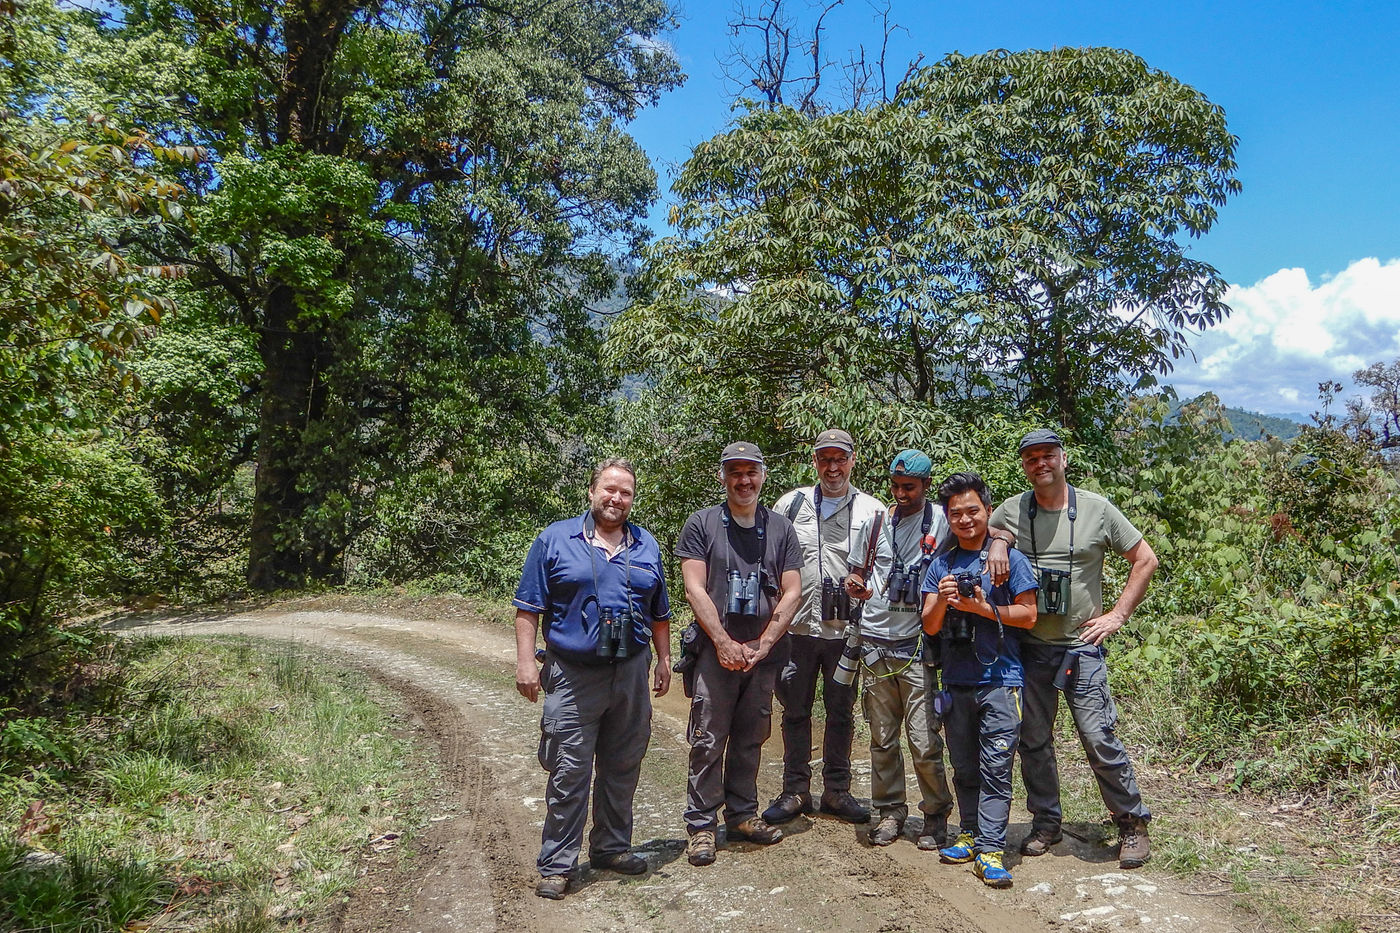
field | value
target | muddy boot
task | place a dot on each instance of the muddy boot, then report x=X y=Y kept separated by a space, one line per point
x=1133 y=846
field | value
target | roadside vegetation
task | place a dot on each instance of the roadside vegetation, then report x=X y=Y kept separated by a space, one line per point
x=217 y=785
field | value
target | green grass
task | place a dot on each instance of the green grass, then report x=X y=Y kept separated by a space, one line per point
x=238 y=783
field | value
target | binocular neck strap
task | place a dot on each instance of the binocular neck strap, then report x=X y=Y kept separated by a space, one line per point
x=593 y=566
x=760 y=525
x=1033 y=509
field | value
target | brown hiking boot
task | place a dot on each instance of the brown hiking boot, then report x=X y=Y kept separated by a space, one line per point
x=934 y=835
x=1040 y=841
x=1133 y=846
x=887 y=832
x=755 y=830
x=701 y=848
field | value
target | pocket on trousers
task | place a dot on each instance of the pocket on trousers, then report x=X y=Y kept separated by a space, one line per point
x=549 y=744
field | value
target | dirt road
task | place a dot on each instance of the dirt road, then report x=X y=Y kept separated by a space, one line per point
x=474 y=863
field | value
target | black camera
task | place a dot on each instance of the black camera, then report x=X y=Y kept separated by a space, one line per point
x=614 y=628
x=836 y=602
x=1053 y=596
x=743 y=594
x=968 y=582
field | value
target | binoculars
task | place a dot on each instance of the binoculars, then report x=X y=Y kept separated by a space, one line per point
x=614 y=626
x=836 y=602
x=903 y=586
x=743 y=594
x=1053 y=595
x=959 y=625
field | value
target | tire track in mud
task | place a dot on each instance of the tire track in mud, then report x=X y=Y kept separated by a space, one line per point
x=474 y=868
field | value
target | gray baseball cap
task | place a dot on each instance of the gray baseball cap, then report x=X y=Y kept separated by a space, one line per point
x=1040 y=436
x=834 y=437
x=741 y=450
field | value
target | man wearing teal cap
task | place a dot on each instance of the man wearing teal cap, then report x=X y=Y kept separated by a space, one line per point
x=899 y=684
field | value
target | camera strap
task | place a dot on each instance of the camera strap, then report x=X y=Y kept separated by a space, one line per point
x=1033 y=509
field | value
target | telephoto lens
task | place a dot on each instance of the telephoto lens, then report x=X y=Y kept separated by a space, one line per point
x=849 y=662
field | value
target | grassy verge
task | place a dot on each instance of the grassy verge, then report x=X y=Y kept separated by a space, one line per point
x=234 y=784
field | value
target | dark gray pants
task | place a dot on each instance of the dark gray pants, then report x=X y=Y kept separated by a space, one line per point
x=1096 y=720
x=600 y=713
x=814 y=657
x=730 y=719
x=982 y=728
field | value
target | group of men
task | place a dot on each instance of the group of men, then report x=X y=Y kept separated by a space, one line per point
x=949 y=619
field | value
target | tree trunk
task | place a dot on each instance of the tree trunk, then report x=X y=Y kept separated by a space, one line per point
x=277 y=551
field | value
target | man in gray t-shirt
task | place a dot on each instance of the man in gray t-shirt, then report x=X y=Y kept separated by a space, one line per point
x=1067 y=533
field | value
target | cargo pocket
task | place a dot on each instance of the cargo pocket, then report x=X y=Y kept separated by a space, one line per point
x=549 y=744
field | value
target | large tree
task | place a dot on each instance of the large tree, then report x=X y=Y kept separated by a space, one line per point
x=375 y=163
x=1008 y=229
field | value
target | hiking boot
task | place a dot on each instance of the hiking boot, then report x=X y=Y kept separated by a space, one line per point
x=1040 y=841
x=960 y=851
x=843 y=806
x=988 y=867
x=552 y=887
x=786 y=806
x=887 y=832
x=755 y=830
x=626 y=863
x=701 y=848
x=934 y=835
x=1133 y=846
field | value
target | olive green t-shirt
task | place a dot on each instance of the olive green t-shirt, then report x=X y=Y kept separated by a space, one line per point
x=1099 y=528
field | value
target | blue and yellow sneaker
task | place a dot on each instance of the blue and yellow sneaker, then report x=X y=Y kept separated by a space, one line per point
x=988 y=868
x=960 y=851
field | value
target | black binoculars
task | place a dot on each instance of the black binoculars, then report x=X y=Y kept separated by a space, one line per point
x=959 y=625
x=614 y=626
x=1053 y=595
x=836 y=602
x=903 y=586
x=743 y=594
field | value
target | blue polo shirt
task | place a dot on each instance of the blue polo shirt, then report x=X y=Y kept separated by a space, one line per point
x=567 y=580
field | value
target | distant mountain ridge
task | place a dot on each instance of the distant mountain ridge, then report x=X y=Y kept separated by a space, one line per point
x=1252 y=425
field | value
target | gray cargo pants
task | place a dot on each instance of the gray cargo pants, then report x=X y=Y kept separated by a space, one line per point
x=982 y=728
x=730 y=719
x=591 y=713
x=895 y=695
x=1096 y=720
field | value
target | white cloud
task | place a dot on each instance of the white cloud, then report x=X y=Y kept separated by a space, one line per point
x=1286 y=335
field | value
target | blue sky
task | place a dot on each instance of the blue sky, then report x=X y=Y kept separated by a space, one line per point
x=1312 y=245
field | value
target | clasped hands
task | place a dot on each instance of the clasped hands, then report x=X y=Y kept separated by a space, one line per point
x=740 y=656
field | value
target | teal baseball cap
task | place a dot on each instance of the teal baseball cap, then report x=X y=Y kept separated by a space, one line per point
x=912 y=463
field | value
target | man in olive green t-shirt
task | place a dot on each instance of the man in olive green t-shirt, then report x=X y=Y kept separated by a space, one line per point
x=1067 y=533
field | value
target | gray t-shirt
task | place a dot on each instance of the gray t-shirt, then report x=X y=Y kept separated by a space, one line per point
x=840 y=521
x=1098 y=528
x=897 y=621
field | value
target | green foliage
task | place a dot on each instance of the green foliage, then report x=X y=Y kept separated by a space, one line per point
x=964 y=250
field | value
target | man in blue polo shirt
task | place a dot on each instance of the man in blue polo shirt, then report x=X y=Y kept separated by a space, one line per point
x=595 y=582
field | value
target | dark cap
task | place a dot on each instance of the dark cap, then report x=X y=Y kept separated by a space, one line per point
x=741 y=450
x=834 y=437
x=1040 y=436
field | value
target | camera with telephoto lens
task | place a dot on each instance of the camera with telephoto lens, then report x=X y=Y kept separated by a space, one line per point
x=1053 y=595
x=849 y=662
x=968 y=582
x=613 y=628
x=743 y=594
x=836 y=602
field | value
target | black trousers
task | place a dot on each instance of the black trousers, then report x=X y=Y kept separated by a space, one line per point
x=814 y=657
